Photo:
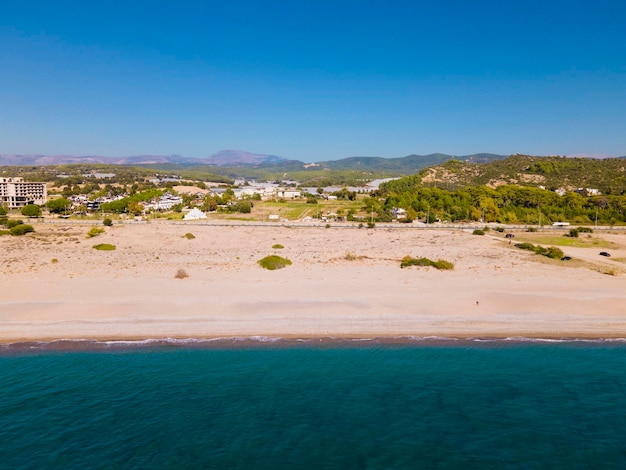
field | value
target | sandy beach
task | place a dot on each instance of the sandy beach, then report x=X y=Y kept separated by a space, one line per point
x=344 y=282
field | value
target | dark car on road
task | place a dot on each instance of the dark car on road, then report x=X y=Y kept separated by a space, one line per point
x=605 y=253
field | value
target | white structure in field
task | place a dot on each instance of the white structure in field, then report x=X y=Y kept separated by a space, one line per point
x=195 y=214
x=16 y=193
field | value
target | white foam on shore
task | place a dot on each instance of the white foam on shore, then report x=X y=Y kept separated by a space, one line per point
x=90 y=344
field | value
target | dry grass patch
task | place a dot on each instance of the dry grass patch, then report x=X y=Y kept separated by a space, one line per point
x=181 y=274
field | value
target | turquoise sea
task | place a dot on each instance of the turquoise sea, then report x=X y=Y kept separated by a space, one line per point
x=318 y=404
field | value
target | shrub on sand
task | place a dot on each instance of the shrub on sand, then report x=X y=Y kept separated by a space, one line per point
x=13 y=222
x=439 y=264
x=273 y=262
x=21 y=229
x=189 y=236
x=94 y=232
x=551 y=252
x=104 y=247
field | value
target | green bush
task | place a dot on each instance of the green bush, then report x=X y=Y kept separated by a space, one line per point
x=499 y=229
x=189 y=236
x=243 y=207
x=3 y=211
x=585 y=229
x=3 y=220
x=439 y=264
x=21 y=229
x=478 y=232
x=551 y=252
x=278 y=246
x=5 y=232
x=371 y=225
x=108 y=222
x=443 y=265
x=273 y=262
x=104 y=247
x=525 y=246
x=94 y=232
x=531 y=229
x=572 y=233
x=554 y=253
x=12 y=223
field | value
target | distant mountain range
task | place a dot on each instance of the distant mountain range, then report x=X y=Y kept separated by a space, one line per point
x=242 y=158
x=225 y=157
x=238 y=158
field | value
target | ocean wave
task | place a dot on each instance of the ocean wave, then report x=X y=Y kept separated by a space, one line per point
x=243 y=341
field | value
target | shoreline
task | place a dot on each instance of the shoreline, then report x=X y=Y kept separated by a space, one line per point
x=263 y=342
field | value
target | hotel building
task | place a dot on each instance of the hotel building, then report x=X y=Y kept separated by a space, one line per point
x=16 y=193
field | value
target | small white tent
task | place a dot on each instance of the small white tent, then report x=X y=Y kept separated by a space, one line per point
x=194 y=214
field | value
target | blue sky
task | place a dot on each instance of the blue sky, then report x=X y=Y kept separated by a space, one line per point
x=315 y=80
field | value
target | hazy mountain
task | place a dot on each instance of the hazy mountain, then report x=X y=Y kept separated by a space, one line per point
x=225 y=157
x=238 y=158
x=230 y=157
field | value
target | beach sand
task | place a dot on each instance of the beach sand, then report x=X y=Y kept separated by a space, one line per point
x=55 y=285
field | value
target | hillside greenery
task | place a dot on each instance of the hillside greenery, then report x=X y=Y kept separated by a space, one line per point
x=607 y=175
x=458 y=191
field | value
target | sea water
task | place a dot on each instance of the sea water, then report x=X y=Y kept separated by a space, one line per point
x=439 y=404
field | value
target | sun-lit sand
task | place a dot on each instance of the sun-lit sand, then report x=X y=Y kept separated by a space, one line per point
x=343 y=282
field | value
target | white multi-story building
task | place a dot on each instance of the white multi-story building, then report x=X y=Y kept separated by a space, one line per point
x=16 y=193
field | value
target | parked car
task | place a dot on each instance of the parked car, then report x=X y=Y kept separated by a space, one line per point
x=605 y=253
x=566 y=258
x=509 y=235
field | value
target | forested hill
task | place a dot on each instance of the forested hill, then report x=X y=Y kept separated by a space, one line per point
x=520 y=189
x=403 y=165
x=606 y=175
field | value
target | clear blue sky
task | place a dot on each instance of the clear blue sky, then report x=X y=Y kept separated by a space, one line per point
x=313 y=80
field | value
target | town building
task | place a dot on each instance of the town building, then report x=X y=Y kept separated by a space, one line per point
x=16 y=193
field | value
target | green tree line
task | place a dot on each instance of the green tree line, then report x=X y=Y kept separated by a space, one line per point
x=505 y=204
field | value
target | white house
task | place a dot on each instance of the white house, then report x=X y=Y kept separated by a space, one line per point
x=288 y=193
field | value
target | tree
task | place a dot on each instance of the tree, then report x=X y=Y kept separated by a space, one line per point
x=3 y=211
x=411 y=214
x=58 y=205
x=135 y=208
x=31 y=210
x=244 y=207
